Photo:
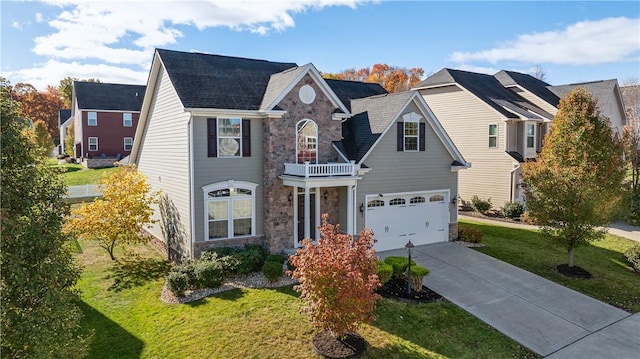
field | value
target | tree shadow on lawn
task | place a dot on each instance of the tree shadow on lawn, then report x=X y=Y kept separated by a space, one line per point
x=107 y=338
x=133 y=271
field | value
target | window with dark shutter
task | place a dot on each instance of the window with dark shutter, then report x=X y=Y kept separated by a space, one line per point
x=400 y=136
x=422 y=136
x=212 y=138
x=246 y=138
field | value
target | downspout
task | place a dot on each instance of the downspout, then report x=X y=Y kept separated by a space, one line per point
x=191 y=186
x=513 y=183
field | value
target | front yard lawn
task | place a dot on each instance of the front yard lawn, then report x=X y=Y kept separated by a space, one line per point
x=75 y=174
x=613 y=280
x=123 y=311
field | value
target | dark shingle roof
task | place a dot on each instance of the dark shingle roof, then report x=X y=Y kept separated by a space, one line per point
x=485 y=87
x=532 y=84
x=278 y=83
x=63 y=116
x=214 y=81
x=372 y=116
x=103 y=96
x=602 y=91
x=350 y=90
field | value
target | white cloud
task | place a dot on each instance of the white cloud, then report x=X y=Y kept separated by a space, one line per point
x=583 y=43
x=51 y=72
x=478 y=69
x=120 y=32
x=16 y=25
x=39 y=17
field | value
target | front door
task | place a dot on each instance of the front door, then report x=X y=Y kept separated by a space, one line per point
x=312 y=215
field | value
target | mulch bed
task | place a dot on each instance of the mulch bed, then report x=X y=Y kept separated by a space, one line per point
x=573 y=272
x=397 y=289
x=329 y=346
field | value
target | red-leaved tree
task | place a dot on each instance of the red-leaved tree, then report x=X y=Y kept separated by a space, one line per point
x=337 y=279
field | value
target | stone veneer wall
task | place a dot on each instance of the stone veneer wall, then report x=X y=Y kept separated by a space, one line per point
x=199 y=247
x=453 y=231
x=98 y=162
x=280 y=148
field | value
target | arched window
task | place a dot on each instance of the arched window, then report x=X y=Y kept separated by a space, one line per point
x=418 y=199
x=397 y=202
x=436 y=198
x=229 y=209
x=375 y=203
x=307 y=141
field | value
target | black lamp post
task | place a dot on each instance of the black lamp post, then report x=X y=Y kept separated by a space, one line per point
x=409 y=246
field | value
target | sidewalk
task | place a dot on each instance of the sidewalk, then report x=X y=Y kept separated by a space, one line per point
x=619 y=229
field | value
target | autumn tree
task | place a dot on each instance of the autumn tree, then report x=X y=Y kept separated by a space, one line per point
x=40 y=318
x=392 y=78
x=43 y=144
x=70 y=140
x=573 y=187
x=118 y=217
x=39 y=106
x=337 y=279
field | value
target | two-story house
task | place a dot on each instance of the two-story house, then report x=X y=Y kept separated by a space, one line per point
x=496 y=129
x=105 y=117
x=255 y=151
x=64 y=121
x=606 y=93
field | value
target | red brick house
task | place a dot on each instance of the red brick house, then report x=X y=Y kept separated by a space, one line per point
x=105 y=117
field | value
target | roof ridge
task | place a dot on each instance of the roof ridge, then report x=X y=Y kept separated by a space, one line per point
x=223 y=56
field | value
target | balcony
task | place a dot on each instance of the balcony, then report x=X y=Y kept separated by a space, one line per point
x=308 y=170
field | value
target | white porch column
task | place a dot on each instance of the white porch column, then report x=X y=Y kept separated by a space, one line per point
x=350 y=209
x=296 y=240
x=307 y=214
x=316 y=231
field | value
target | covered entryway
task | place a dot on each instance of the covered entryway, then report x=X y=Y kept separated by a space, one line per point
x=396 y=218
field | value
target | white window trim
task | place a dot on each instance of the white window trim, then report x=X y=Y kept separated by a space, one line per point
x=125 y=143
x=496 y=135
x=219 y=137
x=411 y=117
x=527 y=136
x=298 y=139
x=89 y=118
x=124 y=120
x=89 y=143
x=229 y=184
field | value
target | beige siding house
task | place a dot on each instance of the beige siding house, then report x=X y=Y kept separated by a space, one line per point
x=253 y=151
x=494 y=128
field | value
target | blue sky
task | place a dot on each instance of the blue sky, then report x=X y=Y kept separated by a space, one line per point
x=574 y=41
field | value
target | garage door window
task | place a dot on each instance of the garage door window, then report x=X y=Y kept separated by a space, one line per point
x=417 y=200
x=397 y=202
x=375 y=203
x=436 y=198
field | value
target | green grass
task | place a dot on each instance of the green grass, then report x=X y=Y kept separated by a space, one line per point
x=123 y=311
x=613 y=280
x=75 y=174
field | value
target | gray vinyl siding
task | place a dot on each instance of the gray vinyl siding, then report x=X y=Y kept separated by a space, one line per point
x=393 y=171
x=466 y=119
x=164 y=158
x=208 y=170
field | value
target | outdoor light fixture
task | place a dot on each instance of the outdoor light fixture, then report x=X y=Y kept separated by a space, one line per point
x=409 y=246
x=326 y=195
x=362 y=208
x=290 y=197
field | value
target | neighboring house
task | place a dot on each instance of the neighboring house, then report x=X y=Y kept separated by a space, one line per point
x=254 y=151
x=606 y=93
x=494 y=128
x=64 y=121
x=105 y=118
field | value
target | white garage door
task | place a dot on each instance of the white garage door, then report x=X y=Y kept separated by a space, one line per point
x=396 y=218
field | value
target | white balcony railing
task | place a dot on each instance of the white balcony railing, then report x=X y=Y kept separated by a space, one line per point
x=320 y=170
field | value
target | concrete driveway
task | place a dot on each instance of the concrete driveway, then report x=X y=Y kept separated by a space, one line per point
x=537 y=313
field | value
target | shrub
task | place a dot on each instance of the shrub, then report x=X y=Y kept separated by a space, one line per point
x=385 y=272
x=513 y=209
x=258 y=249
x=177 y=282
x=248 y=259
x=290 y=265
x=228 y=263
x=399 y=265
x=272 y=270
x=632 y=207
x=480 y=205
x=633 y=256
x=275 y=258
x=337 y=279
x=469 y=234
x=208 y=274
x=528 y=218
